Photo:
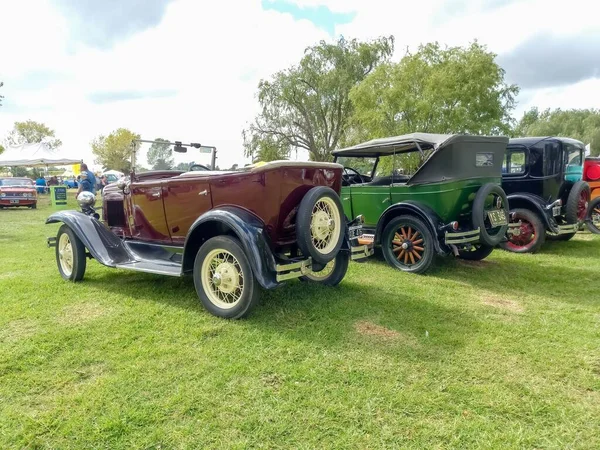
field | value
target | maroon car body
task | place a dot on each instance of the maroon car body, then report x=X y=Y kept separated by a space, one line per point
x=17 y=192
x=277 y=221
x=161 y=206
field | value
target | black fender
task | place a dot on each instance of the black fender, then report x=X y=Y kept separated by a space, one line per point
x=535 y=203
x=103 y=244
x=422 y=211
x=244 y=225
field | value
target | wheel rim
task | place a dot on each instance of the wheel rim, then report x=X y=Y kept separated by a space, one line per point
x=322 y=274
x=222 y=278
x=325 y=225
x=596 y=216
x=408 y=246
x=65 y=254
x=526 y=238
x=582 y=205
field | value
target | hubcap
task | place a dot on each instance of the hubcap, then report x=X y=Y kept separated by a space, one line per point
x=65 y=254
x=325 y=225
x=408 y=246
x=222 y=278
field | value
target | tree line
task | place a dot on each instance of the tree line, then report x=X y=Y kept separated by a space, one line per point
x=350 y=91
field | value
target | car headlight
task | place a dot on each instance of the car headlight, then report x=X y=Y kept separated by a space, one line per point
x=2 y=194
x=86 y=199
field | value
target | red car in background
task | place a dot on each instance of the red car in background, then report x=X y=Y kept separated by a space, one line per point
x=17 y=192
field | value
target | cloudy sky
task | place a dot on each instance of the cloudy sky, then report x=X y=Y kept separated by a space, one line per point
x=188 y=69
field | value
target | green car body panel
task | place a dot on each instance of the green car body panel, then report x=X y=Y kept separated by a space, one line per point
x=451 y=200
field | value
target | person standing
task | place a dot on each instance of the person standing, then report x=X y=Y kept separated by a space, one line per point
x=90 y=177
x=84 y=184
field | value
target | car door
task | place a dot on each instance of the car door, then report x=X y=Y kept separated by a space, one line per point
x=148 y=212
x=186 y=199
x=373 y=198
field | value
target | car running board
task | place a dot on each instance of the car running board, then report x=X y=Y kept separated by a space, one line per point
x=157 y=267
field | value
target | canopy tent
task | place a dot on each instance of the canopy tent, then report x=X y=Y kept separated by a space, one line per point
x=34 y=155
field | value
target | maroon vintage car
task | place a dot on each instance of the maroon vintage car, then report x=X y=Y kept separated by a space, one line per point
x=232 y=231
x=17 y=192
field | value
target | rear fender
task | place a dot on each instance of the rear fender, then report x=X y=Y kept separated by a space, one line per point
x=102 y=244
x=535 y=204
x=239 y=223
x=420 y=210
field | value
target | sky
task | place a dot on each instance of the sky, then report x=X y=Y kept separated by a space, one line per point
x=188 y=70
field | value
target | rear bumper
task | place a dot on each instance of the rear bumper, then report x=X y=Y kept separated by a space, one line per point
x=461 y=237
x=361 y=251
x=567 y=228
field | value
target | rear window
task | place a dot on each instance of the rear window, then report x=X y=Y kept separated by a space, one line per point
x=514 y=162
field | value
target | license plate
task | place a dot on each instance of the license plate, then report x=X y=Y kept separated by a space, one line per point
x=497 y=217
x=14 y=201
x=556 y=210
x=355 y=231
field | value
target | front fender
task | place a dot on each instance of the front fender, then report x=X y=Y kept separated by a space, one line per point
x=536 y=203
x=250 y=231
x=424 y=212
x=102 y=244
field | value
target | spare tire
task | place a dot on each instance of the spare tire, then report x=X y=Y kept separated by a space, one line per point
x=578 y=202
x=490 y=236
x=320 y=224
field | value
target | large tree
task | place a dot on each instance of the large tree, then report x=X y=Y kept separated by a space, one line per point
x=581 y=124
x=437 y=90
x=114 y=151
x=31 y=132
x=1 y=96
x=160 y=155
x=308 y=106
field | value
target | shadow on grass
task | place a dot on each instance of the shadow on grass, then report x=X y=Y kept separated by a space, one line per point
x=581 y=249
x=324 y=316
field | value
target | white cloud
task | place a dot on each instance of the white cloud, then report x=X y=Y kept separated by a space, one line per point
x=213 y=54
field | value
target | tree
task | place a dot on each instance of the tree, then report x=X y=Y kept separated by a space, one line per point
x=1 y=96
x=308 y=105
x=184 y=166
x=581 y=124
x=160 y=155
x=435 y=90
x=31 y=132
x=265 y=148
x=1 y=149
x=114 y=151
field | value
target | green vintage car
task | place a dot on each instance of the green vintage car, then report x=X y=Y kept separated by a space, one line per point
x=426 y=194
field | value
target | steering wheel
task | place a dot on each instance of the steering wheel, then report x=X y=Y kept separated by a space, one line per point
x=347 y=177
x=198 y=167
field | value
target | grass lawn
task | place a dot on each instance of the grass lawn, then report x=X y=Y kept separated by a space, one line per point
x=503 y=353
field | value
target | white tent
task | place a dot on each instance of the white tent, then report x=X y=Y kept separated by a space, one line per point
x=35 y=155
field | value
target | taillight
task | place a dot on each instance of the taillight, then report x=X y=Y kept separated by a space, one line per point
x=591 y=171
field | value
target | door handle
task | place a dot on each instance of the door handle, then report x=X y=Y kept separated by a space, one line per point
x=204 y=192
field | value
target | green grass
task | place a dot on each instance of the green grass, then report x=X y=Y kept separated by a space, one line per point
x=499 y=354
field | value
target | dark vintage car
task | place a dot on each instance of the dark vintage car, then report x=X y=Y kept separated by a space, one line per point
x=17 y=192
x=233 y=231
x=426 y=194
x=542 y=177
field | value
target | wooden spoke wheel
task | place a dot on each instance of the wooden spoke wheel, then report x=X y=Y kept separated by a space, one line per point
x=407 y=244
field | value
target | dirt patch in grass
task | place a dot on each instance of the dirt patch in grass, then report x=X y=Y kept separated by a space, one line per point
x=496 y=301
x=370 y=329
x=17 y=329
x=81 y=313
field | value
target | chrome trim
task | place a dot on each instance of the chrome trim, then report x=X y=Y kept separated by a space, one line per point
x=514 y=228
x=293 y=270
x=567 y=229
x=361 y=252
x=461 y=237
